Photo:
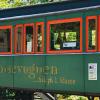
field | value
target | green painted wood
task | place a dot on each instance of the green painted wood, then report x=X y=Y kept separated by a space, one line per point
x=69 y=76
x=6 y=74
x=28 y=70
x=51 y=72
x=92 y=85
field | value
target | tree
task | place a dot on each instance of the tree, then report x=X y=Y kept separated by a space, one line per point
x=18 y=3
x=4 y=4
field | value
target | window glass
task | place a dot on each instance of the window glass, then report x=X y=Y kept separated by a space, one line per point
x=29 y=38
x=18 y=39
x=5 y=40
x=92 y=34
x=39 y=38
x=65 y=36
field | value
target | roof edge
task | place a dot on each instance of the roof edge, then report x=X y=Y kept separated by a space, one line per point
x=50 y=13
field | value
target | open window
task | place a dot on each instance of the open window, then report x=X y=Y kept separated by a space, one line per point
x=91 y=33
x=39 y=37
x=18 y=39
x=64 y=36
x=5 y=39
x=98 y=38
x=28 y=38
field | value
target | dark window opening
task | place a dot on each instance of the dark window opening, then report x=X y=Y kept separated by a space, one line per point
x=39 y=38
x=1 y=39
x=5 y=40
x=92 y=29
x=29 y=39
x=65 y=36
x=19 y=40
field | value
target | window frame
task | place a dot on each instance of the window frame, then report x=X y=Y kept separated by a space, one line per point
x=15 y=40
x=8 y=27
x=42 y=25
x=87 y=24
x=63 y=21
x=25 y=25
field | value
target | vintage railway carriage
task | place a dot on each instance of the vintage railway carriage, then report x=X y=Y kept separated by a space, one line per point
x=51 y=47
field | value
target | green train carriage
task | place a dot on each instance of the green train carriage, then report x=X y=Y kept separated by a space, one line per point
x=51 y=47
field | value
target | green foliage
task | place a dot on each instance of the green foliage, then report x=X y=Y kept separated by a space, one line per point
x=70 y=97
x=32 y=2
x=18 y=3
x=7 y=93
x=4 y=4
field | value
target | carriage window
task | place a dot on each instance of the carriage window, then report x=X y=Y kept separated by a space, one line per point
x=18 y=38
x=65 y=36
x=5 y=39
x=39 y=37
x=28 y=38
x=91 y=33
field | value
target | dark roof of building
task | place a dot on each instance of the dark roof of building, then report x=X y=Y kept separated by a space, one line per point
x=49 y=7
